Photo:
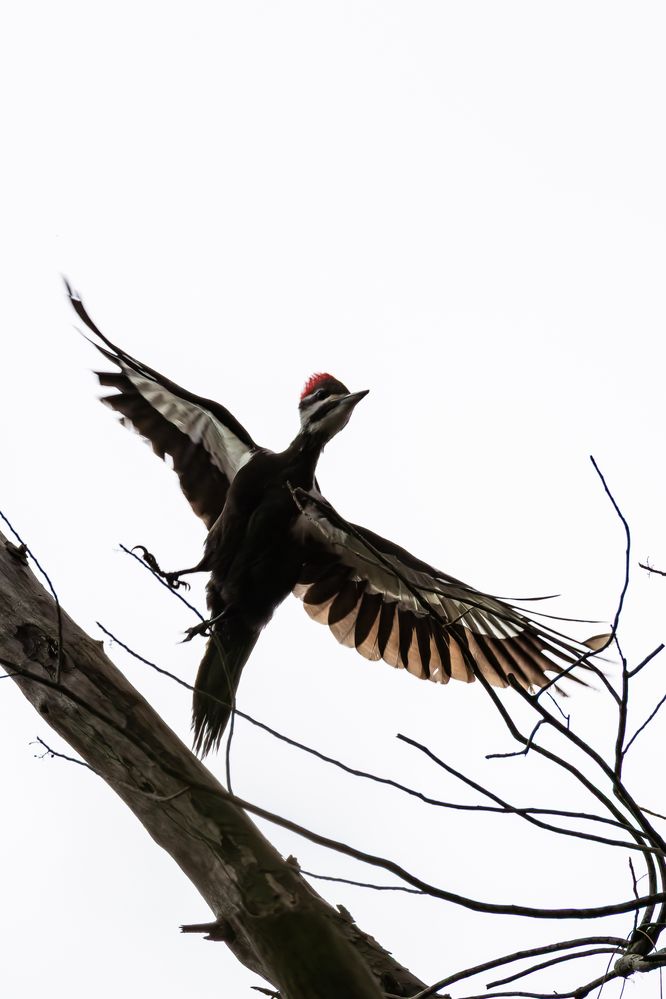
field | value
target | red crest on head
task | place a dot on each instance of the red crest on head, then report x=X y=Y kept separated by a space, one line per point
x=313 y=381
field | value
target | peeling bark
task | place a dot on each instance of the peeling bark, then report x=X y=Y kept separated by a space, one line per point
x=273 y=921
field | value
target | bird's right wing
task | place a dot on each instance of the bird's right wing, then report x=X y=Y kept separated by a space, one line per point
x=381 y=600
x=206 y=444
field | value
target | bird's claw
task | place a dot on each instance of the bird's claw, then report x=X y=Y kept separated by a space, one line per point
x=171 y=579
x=197 y=629
x=148 y=558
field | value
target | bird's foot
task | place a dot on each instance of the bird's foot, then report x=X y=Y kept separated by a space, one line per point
x=170 y=578
x=205 y=627
x=198 y=629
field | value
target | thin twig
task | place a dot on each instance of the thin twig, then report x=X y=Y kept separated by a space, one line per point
x=517 y=752
x=583 y=658
x=520 y=955
x=355 y=772
x=637 y=669
x=577 y=993
x=504 y=807
x=475 y=905
x=651 y=568
x=627 y=533
x=619 y=787
x=645 y=724
x=62 y=756
x=388 y=865
x=361 y=884
x=622 y=715
x=641 y=847
x=553 y=960
x=635 y=887
x=214 y=637
x=646 y=830
x=156 y=575
x=657 y=815
x=48 y=751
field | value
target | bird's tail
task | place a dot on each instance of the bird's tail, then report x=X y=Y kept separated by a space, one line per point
x=228 y=649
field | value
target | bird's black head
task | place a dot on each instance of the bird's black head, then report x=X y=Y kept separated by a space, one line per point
x=326 y=405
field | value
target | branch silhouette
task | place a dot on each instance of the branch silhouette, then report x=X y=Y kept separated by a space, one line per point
x=55 y=671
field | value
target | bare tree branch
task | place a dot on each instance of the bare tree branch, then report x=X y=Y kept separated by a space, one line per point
x=520 y=955
x=651 y=568
x=645 y=723
x=548 y=964
x=279 y=926
x=508 y=809
x=644 y=662
x=387 y=781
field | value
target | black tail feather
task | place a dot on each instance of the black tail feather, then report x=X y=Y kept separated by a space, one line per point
x=228 y=650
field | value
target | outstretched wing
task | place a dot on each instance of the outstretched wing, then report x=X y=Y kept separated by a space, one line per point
x=206 y=444
x=380 y=600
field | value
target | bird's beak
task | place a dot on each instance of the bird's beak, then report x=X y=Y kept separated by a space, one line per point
x=353 y=397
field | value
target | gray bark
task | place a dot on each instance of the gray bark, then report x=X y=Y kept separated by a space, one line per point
x=272 y=920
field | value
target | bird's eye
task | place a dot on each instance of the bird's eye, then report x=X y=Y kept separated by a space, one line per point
x=319 y=394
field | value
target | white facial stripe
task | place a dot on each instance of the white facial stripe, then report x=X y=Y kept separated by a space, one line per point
x=311 y=406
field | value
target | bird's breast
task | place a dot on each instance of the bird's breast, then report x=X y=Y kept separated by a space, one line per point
x=260 y=554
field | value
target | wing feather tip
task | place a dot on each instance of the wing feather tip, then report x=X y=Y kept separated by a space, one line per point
x=597 y=643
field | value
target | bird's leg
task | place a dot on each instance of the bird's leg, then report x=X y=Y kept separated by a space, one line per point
x=172 y=579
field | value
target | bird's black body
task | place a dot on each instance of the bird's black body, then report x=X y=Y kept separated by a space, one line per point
x=270 y=532
x=250 y=550
x=255 y=556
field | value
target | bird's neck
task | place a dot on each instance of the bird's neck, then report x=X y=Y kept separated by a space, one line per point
x=303 y=454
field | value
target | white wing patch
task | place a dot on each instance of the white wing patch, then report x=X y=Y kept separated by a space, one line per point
x=227 y=452
x=450 y=601
x=379 y=600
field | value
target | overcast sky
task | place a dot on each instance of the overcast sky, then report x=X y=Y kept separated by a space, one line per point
x=458 y=205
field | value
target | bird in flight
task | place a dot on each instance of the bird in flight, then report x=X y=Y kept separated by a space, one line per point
x=271 y=533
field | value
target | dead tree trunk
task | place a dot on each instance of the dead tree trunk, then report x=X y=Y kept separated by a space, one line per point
x=272 y=920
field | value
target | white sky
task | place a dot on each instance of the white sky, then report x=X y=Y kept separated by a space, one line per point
x=457 y=205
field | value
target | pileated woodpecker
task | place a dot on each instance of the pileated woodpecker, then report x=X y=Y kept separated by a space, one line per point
x=270 y=532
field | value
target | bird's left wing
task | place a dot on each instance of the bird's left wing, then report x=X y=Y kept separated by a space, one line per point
x=205 y=442
x=387 y=604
